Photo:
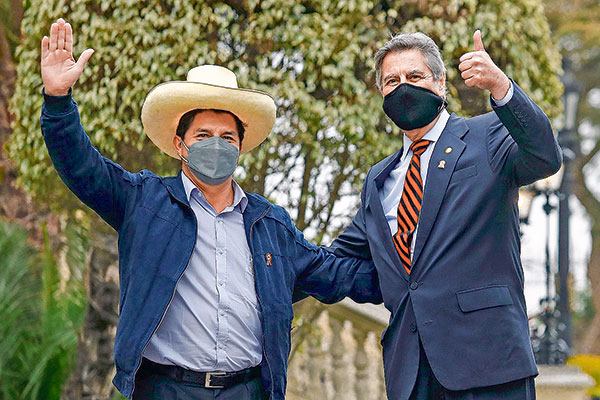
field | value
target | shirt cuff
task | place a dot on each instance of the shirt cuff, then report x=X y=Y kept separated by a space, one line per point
x=57 y=104
x=506 y=98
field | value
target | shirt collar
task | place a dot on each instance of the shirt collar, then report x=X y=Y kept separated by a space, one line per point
x=433 y=135
x=239 y=197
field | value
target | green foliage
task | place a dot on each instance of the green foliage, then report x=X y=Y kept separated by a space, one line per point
x=315 y=57
x=18 y=292
x=40 y=315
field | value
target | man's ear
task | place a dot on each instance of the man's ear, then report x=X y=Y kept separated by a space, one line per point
x=442 y=88
x=177 y=143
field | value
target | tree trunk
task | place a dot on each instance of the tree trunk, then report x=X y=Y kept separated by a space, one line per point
x=92 y=374
x=591 y=339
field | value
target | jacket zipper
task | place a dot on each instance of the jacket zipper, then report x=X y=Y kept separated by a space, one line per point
x=261 y=306
x=139 y=363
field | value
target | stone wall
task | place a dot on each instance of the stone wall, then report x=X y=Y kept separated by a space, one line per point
x=341 y=360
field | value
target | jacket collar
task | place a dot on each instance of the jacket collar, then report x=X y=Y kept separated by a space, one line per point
x=175 y=187
x=178 y=191
x=257 y=207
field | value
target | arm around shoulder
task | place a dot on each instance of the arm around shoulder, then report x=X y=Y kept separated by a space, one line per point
x=353 y=242
x=345 y=269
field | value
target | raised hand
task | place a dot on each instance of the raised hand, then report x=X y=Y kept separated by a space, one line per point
x=60 y=71
x=478 y=69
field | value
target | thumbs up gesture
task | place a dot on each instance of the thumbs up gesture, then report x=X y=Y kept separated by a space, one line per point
x=478 y=69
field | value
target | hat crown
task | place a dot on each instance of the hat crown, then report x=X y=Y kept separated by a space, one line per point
x=213 y=75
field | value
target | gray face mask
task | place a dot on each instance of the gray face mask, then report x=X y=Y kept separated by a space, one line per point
x=212 y=160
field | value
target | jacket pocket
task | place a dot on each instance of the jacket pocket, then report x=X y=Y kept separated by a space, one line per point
x=167 y=213
x=464 y=173
x=484 y=297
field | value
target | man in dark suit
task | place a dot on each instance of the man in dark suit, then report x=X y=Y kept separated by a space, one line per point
x=439 y=218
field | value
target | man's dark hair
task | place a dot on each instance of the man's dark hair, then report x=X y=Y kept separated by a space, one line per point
x=186 y=120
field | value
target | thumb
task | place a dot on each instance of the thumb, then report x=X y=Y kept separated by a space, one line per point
x=84 y=57
x=477 y=40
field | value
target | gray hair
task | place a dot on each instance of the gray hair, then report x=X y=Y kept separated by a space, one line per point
x=409 y=41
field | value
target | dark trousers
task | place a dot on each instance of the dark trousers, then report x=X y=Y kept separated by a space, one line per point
x=427 y=387
x=151 y=386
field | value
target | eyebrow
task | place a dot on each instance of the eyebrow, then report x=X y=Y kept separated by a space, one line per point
x=414 y=71
x=388 y=76
x=204 y=130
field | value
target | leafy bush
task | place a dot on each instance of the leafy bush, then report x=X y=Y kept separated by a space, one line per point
x=40 y=317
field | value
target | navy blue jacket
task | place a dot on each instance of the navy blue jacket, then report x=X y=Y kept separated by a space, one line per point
x=464 y=296
x=157 y=234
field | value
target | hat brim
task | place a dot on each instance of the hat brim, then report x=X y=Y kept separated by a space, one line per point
x=167 y=102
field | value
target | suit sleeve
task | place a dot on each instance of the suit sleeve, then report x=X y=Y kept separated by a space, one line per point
x=528 y=151
x=98 y=182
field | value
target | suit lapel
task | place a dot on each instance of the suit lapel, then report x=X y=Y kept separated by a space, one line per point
x=374 y=203
x=438 y=178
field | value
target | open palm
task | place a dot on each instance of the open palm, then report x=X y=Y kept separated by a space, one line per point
x=60 y=71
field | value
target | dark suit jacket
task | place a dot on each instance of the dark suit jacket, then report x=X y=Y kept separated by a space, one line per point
x=464 y=296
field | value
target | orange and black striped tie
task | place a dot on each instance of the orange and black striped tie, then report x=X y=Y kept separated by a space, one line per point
x=410 y=204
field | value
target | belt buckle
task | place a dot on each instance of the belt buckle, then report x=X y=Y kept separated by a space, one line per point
x=208 y=377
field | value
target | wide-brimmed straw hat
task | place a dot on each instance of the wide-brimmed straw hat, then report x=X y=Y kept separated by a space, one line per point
x=206 y=87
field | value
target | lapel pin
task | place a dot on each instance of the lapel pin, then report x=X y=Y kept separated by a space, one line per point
x=448 y=150
x=442 y=164
x=269 y=259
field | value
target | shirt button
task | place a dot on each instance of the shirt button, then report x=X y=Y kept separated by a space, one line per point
x=220 y=251
x=414 y=285
x=413 y=327
x=222 y=313
x=222 y=283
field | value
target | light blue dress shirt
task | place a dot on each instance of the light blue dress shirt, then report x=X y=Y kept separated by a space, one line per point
x=394 y=183
x=214 y=320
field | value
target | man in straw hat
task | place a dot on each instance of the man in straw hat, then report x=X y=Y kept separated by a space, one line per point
x=208 y=273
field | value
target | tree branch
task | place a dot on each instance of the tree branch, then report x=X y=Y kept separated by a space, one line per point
x=584 y=159
x=309 y=163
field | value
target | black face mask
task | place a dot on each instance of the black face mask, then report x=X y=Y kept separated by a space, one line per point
x=412 y=107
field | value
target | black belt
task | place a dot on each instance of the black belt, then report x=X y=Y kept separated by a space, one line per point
x=211 y=380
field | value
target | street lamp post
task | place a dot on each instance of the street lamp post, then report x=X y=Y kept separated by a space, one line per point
x=568 y=143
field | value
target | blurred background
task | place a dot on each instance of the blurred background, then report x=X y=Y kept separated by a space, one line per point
x=58 y=261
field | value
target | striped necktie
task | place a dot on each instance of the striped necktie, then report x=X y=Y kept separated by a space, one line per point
x=410 y=204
